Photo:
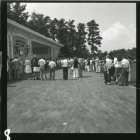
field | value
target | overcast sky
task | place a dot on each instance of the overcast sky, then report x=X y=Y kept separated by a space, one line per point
x=117 y=21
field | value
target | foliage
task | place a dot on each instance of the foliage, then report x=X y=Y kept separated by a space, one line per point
x=122 y=52
x=16 y=12
x=81 y=38
x=40 y=24
x=94 y=38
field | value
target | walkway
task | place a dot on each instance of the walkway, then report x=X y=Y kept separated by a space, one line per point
x=82 y=105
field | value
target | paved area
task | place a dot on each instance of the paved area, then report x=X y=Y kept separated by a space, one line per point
x=82 y=105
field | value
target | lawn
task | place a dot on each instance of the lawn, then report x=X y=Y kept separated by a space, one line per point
x=133 y=78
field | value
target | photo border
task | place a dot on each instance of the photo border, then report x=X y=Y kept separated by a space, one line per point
x=45 y=136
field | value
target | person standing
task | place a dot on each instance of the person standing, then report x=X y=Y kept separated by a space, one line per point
x=28 y=69
x=52 y=66
x=21 y=65
x=65 y=69
x=125 y=72
x=35 y=67
x=88 y=65
x=71 y=64
x=58 y=63
x=106 y=72
x=42 y=63
x=102 y=68
x=80 y=67
x=61 y=62
x=46 y=67
x=85 y=64
x=16 y=66
x=91 y=64
x=97 y=64
x=118 y=66
x=109 y=65
x=75 y=68
x=10 y=65
x=130 y=62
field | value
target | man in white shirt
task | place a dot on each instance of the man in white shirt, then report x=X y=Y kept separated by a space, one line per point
x=125 y=62
x=65 y=69
x=52 y=66
x=125 y=72
x=109 y=65
x=42 y=63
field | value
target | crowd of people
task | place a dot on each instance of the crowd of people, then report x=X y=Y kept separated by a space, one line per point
x=112 y=68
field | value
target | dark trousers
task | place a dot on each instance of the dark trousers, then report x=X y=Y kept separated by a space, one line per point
x=52 y=71
x=65 y=73
x=16 y=74
x=106 y=77
x=109 y=75
x=124 y=78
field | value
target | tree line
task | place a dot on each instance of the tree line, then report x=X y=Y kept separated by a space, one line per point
x=74 y=38
x=121 y=52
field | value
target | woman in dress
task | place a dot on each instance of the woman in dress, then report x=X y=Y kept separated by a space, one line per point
x=36 y=69
x=75 y=68
x=28 y=69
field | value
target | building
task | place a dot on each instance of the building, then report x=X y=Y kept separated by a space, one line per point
x=23 y=42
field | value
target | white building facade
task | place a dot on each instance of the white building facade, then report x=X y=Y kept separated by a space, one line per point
x=29 y=42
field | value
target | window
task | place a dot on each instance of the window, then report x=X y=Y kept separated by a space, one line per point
x=20 y=53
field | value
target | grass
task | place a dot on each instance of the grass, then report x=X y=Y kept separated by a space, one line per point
x=133 y=75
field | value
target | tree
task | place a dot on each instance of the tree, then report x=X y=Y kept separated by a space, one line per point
x=16 y=12
x=53 y=28
x=40 y=24
x=71 y=36
x=80 y=38
x=62 y=36
x=94 y=38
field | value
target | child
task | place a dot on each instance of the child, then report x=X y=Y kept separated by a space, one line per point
x=106 y=72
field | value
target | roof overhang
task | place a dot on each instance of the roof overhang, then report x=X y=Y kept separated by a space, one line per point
x=9 y=21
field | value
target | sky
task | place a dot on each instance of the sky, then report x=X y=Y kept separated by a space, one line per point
x=117 y=21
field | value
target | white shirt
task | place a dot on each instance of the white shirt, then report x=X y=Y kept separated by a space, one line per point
x=115 y=59
x=71 y=61
x=90 y=62
x=118 y=64
x=65 y=63
x=52 y=64
x=41 y=62
x=109 y=63
x=126 y=63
